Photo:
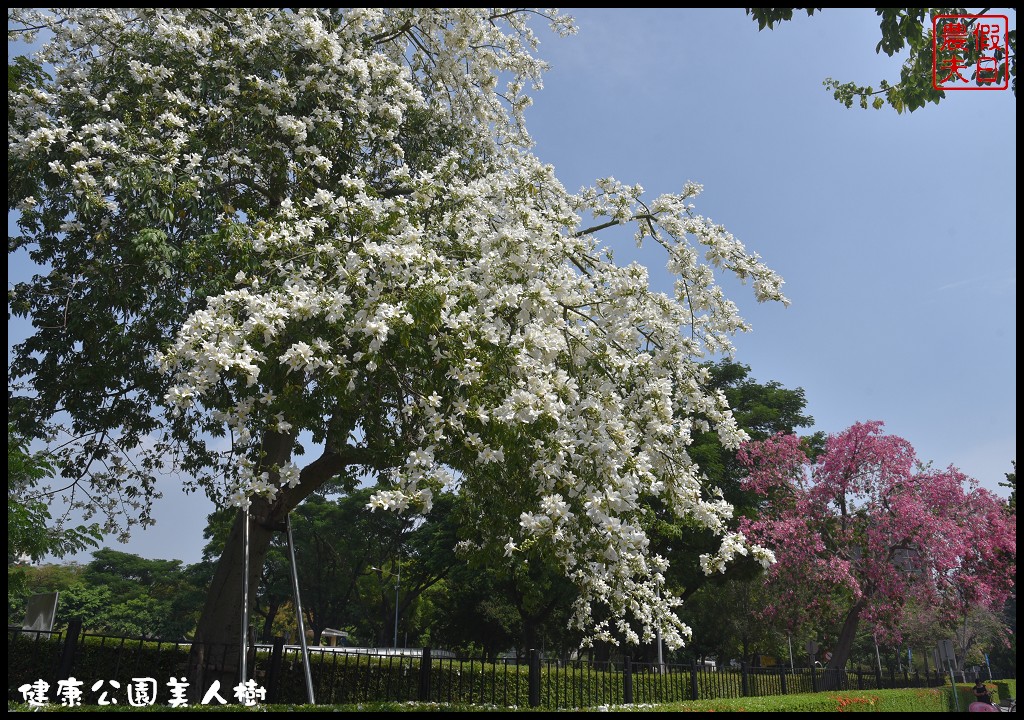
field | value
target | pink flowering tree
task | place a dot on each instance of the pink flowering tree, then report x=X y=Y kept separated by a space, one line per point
x=865 y=533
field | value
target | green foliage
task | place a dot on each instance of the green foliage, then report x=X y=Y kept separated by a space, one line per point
x=338 y=542
x=31 y=534
x=909 y=28
x=491 y=603
x=37 y=579
x=348 y=560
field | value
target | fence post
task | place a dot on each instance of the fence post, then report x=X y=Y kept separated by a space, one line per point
x=744 y=680
x=782 y=671
x=534 y=677
x=274 y=672
x=694 y=694
x=425 y=663
x=627 y=681
x=67 y=655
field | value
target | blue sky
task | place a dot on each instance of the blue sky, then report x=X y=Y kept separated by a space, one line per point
x=896 y=235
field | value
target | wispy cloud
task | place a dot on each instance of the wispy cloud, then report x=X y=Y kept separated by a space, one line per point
x=958 y=283
x=990 y=282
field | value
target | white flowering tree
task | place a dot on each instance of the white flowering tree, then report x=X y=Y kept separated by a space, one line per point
x=282 y=246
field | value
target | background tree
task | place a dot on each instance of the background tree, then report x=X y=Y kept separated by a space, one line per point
x=341 y=541
x=923 y=626
x=909 y=28
x=341 y=546
x=345 y=260
x=122 y=594
x=336 y=542
x=148 y=598
x=36 y=579
x=489 y=600
x=427 y=553
x=865 y=530
x=729 y=614
x=471 y=614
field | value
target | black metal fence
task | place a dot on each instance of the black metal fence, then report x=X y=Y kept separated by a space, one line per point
x=344 y=676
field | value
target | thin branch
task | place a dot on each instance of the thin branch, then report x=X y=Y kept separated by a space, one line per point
x=611 y=223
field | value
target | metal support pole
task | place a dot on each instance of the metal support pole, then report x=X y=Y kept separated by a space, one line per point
x=952 y=684
x=298 y=612
x=661 y=659
x=243 y=670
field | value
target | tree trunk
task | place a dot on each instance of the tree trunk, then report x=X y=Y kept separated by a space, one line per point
x=215 y=654
x=268 y=621
x=530 y=634
x=844 y=645
x=216 y=648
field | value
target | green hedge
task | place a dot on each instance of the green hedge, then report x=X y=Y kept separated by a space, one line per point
x=1006 y=689
x=997 y=690
x=31 y=658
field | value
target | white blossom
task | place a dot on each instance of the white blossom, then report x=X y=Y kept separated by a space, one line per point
x=384 y=251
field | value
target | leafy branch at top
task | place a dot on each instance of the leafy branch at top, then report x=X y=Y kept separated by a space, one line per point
x=911 y=28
